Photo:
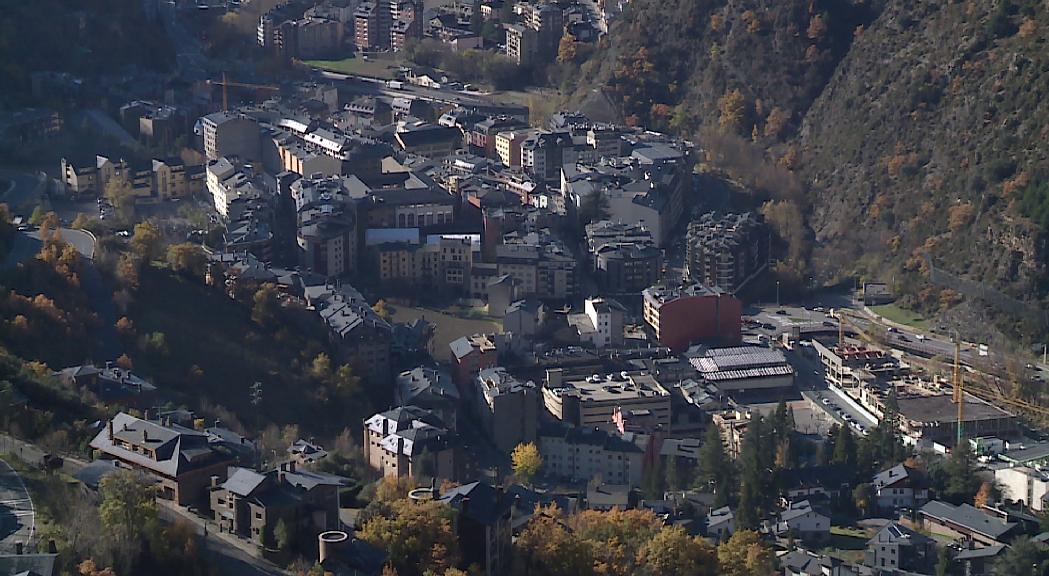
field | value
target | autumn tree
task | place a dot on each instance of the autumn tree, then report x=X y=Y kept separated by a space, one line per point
x=526 y=462
x=187 y=259
x=120 y=194
x=418 y=537
x=125 y=362
x=817 y=27
x=146 y=242
x=744 y=554
x=987 y=494
x=566 y=50
x=89 y=568
x=776 y=122
x=380 y=308
x=128 y=512
x=282 y=535
x=733 y=111
x=672 y=552
x=80 y=222
x=960 y=215
x=549 y=547
x=265 y=307
x=616 y=537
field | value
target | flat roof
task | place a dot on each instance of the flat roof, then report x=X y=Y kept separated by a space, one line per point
x=942 y=409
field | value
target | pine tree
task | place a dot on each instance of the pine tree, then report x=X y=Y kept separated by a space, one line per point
x=845 y=449
x=754 y=476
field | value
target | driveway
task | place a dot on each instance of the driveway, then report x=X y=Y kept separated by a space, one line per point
x=17 y=517
x=26 y=245
x=20 y=191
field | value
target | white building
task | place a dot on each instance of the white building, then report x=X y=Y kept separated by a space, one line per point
x=721 y=523
x=1023 y=484
x=607 y=318
x=802 y=521
x=896 y=488
x=583 y=454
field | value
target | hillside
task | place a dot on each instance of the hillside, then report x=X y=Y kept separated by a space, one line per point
x=887 y=133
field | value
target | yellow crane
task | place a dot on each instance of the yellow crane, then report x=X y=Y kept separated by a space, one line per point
x=226 y=83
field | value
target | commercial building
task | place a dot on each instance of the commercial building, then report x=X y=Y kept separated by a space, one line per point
x=434 y=142
x=684 y=316
x=726 y=251
x=1023 y=484
x=594 y=401
x=508 y=408
x=181 y=460
x=581 y=454
x=744 y=368
x=850 y=366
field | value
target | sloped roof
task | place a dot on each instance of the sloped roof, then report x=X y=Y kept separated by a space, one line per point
x=486 y=504
x=967 y=517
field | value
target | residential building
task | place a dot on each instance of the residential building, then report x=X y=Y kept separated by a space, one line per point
x=409 y=441
x=483 y=525
x=606 y=317
x=591 y=402
x=231 y=134
x=581 y=454
x=371 y=24
x=743 y=368
x=508 y=146
x=721 y=524
x=470 y=355
x=683 y=316
x=964 y=521
x=1023 y=484
x=81 y=178
x=508 y=408
x=431 y=389
x=540 y=266
x=542 y=154
x=251 y=504
x=180 y=460
x=800 y=520
x=358 y=332
x=482 y=136
x=898 y=487
x=524 y=318
x=111 y=384
x=726 y=251
x=897 y=547
x=624 y=256
x=801 y=562
x=169 y=178
x=306 y=452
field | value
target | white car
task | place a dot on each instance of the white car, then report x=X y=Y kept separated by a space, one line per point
x=826 y=401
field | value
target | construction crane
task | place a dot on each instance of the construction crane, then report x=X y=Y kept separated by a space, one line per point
x=226 y=83
x=958 y=392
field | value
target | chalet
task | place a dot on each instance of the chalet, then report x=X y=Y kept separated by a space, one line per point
x=898 y=487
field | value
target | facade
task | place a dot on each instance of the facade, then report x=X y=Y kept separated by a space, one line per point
x=721 y=524
x=371 y=25
x=592 y=402
x=801 y=521
x=726 y=251
x=508 y=408
x=81 y=179
x=582 y=454
x=434 y=142
x=409 y=441
x=508 y=146
x=230 y=134
x=683 y=316
x=169 y=178
x=181 y=460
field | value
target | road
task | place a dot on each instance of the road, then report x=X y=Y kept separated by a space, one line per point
x=17 y=516
x=226 y=557
x=26 y=245
x=376 y=87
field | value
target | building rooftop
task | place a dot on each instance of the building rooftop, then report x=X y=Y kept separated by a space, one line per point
x=941 y=409
x=968 y=517
x=622 y=386
x=718 y=364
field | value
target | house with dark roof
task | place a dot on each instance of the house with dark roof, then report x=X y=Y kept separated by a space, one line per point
x=470 y=355
x=898 y=487
x=721 y=523
x=800 y=562
x=484 y=526
x=430 y=389
x=581 y=453
x=897 y=547
x=801 y=520
x=978 y=561
x=410 y=441
x=251 y=504
x=111 y=384
x=341 y=554
x=964 y=521
x=22 y=564
x=181 y=460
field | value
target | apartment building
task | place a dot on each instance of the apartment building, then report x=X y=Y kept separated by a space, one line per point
x=581 y=454
x=726 y=251
x=169 y=178
x=684 y=316
x=409 y=441
x=230 y=134
x=508 y=408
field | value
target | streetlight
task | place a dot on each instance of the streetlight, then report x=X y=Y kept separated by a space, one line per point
x=777 y=292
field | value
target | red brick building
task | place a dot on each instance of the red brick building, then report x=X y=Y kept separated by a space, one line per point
x=684 y=316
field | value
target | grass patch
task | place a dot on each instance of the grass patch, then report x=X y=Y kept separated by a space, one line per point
x=375 y=67
x=901 y=316
x=849 y=531
x=450 y=323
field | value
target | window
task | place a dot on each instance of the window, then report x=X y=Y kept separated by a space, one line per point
x=258 y=515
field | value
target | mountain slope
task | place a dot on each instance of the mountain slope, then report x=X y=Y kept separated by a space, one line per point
x=916 y=129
